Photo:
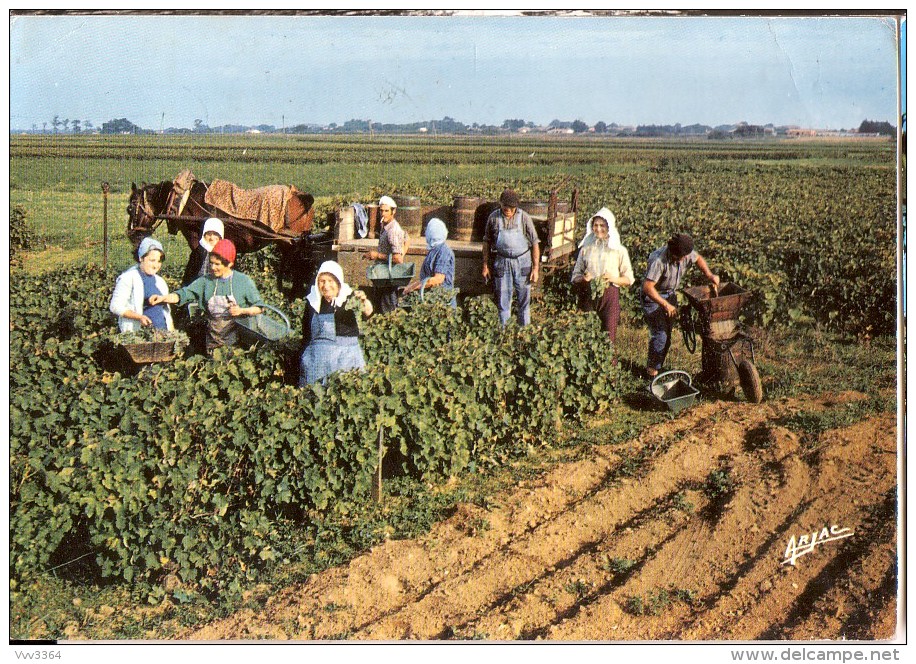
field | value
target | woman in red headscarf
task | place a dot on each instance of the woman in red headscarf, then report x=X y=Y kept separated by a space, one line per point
x=224 y=294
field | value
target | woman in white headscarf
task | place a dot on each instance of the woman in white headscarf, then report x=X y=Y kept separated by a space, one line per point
x=438 y=269
x=198 y=262
x=603 y=266
x=330 y=329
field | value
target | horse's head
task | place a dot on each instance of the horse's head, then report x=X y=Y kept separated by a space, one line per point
x=144 y=204
x=301 y=211
x=139 y=214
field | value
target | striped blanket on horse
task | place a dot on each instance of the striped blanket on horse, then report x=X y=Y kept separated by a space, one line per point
x=266 y=205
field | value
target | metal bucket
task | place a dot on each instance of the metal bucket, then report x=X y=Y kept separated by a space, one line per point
x=391 y=274
x=263 y=328
x=673 y=390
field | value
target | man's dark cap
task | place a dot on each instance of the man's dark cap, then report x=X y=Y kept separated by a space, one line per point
x=680 y=244
x=508 y=198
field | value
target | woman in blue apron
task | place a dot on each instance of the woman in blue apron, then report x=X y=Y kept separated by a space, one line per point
x=130 y=301
x=330 y=328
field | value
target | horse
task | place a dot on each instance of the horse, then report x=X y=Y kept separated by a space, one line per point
x=294 y=243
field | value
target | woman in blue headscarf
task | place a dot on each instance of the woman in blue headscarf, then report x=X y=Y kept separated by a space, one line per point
x=130 y=301
x=438 y=269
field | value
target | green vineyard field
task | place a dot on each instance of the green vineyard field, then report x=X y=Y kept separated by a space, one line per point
x=200 y=468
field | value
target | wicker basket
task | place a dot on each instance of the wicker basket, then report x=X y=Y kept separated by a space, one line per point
x=151 y=351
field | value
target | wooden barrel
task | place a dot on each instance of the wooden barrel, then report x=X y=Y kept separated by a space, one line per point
x=409 y=214
x=410 y=218
x=465 y=212
x=407 y=201
x=372 y=212
x=467 y=202
x=534 y=207
x=463 y=228
x=346 y=224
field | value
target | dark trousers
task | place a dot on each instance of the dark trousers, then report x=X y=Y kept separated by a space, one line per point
x=660 y=326
x=607 y=307
x=387 y=299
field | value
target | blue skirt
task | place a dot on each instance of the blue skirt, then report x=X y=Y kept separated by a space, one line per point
x=323 y=357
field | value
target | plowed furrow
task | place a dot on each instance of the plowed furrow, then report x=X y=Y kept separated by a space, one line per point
x=826 y=606
x=688 y=563
x=633 y=544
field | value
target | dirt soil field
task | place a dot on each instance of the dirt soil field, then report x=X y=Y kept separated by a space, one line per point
x=637 y=543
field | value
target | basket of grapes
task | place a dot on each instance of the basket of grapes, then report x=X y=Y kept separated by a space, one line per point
x=149 y=345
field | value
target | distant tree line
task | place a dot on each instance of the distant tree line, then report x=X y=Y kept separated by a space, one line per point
x=120 y=126
x=883 y=128
x=66 y=126
x=446 y=125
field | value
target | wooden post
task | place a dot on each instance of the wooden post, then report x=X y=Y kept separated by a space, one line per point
x=105 y=190
x=377 y=484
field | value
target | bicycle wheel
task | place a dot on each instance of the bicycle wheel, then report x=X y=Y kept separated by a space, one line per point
x=688 y=322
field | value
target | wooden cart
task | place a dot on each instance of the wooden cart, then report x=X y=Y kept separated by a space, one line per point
x=556 y=231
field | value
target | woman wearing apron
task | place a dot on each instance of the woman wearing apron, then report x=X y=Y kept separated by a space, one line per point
x=134 y=288
x=330 y=330
x=223 y=294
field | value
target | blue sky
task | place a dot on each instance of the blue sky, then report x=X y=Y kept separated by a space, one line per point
x=818 y=72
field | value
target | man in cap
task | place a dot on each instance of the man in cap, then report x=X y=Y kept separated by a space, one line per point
x=510 y=242
x=392 y=246
x=667 y=267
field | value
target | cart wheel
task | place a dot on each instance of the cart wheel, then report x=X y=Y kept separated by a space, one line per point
x=750 y=381
x=689 y=330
